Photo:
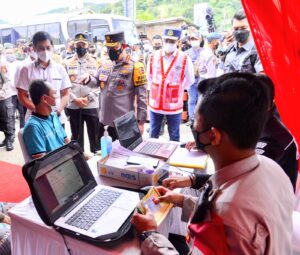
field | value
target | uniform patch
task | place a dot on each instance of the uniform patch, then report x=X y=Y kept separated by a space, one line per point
x=3 y=69
x=139 y=74
x=73 y=78
x=102 y=84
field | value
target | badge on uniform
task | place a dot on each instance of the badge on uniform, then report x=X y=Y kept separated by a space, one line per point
x=102 y=84
x=120 y=85
x=72 y=78
x=3 y=69
x=139 y=75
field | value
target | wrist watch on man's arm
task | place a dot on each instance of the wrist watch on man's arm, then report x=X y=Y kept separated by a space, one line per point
x=145 y=234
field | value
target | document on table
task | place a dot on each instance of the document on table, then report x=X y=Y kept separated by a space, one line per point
x=189 y=159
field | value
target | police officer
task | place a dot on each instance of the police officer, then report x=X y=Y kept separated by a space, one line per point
x=242 y=56
x=6 y=108
x=122 y=84
x=83 y=104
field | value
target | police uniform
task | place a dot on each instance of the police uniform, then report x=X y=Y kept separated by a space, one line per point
x=243 y=59
x=75 y=67
x=277 y=143
x=123 y=87
x=6 y=107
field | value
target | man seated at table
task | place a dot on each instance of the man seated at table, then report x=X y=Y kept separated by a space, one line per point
x=43 y=131
x=275 y=142
x=247 y=188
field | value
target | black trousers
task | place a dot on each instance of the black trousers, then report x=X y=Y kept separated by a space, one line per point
x=21 y=109
x=90 y=117
x=7 y=123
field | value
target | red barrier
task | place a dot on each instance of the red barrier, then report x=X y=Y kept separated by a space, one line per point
x=275 y=27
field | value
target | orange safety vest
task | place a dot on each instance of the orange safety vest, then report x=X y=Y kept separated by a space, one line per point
x=166 y=91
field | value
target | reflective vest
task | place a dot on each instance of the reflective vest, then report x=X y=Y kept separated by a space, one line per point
x=166 y=91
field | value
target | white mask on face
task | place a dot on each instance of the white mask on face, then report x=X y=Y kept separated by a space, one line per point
x=33 y=55
x=170 y=47
x=45 y=55
x=195 y=44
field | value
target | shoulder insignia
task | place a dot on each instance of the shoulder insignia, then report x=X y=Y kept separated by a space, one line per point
x=139 y=74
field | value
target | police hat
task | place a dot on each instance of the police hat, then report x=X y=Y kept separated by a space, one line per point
x=81 y=38
x=113 y=38
x=212 y=36
x=172 y=33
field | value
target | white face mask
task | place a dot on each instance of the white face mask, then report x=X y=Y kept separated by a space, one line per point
x=45 y=55
x=170 y=47
x=33 y=55
x=195 y=44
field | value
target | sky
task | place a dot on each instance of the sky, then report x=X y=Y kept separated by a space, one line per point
x=14 y=11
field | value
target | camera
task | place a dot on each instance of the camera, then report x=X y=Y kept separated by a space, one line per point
x=142 y=36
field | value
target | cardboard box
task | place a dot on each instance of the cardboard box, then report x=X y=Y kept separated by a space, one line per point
x=141 y=177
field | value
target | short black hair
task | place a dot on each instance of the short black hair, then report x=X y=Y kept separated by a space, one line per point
x=157 y=37
x=237 y=104
x=40 y=37
x=240 y=15
x=37 y=89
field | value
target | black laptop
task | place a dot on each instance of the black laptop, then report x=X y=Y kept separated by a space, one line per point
x=67 y=196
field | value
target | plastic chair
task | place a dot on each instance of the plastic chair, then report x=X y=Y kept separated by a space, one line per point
x=26 y=156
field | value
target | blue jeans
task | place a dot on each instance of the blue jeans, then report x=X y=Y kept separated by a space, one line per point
x=193 y=98
x=173 y=121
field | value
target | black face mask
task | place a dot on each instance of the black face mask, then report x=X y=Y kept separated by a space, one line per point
x=241 y=36
x=81 y=51
x=114 y=54
x=156 y=47
x=199 y=145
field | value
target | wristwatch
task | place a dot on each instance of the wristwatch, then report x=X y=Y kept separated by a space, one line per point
x=144 y=235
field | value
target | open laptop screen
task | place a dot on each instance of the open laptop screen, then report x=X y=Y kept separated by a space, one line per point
x=128 y=130
x=61 y=182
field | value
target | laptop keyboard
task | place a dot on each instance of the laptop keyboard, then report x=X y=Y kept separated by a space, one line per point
x=150 y=148
x=93 y=209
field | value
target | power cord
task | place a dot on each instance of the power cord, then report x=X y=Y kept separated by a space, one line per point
x=66 y=244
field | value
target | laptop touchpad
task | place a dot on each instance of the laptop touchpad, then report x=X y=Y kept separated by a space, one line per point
x=111 y=221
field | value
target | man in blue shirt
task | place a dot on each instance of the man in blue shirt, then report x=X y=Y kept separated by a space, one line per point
x=43 y=131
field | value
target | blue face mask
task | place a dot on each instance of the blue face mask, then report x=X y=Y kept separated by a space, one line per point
x=199 y=145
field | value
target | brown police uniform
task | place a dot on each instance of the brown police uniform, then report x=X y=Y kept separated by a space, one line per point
x=122 y=85
x=76 y=67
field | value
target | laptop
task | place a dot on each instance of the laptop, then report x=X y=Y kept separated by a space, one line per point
x=130 y=137
x=67 y=196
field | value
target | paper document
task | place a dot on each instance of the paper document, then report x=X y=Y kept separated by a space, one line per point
x=190 y=159
x=159 y=211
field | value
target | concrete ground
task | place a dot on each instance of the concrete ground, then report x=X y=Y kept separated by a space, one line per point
x=15 y=156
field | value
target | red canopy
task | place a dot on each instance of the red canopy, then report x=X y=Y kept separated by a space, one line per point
x=275 y=25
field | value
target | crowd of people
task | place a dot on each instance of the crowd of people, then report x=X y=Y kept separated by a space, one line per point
x=231 y=108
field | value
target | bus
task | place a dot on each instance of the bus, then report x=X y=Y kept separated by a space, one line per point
x=64 y=26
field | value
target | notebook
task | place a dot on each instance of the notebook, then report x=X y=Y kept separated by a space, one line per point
x=67 y=196
x=131 y=138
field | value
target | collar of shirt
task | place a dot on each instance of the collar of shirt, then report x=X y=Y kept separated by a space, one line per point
x=44 y=117
x=247 y=47
x=234 y=170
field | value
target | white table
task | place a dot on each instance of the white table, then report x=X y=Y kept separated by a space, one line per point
x=30 y=236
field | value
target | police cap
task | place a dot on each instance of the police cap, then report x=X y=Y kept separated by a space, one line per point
x=81 y=38
x=113 y=38
x=172 y=33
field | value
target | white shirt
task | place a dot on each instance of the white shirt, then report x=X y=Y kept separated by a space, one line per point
x=55 y=74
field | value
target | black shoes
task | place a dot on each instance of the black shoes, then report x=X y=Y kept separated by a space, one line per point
x=3 y=143
x=9 y=145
